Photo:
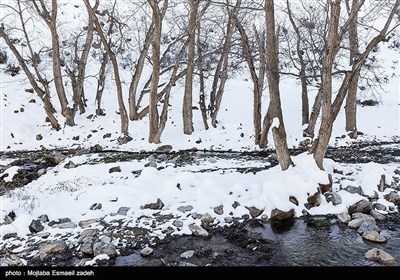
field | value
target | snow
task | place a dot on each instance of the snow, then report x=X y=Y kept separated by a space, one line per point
x=71 y=192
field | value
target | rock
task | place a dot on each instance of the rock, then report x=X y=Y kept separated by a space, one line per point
x=96 y=148
x=59 y=221
x=178 y=223
x=212 y=160
x=114 y=169
x=65 y=225
x=185 y=209
x=39 y=137
x=88 y=222
x=356 y=223
x=379 y=206
x=10 y=235
x=326 y=187
x=254 y=211
x=123 y=210
x=96 y=206
x=11 y=260
x=264 y=217
x=368 y=225
x=44 y=218
x=207 y=218
x=43 y=235
x=88 y=235
x=105 y=239
x=279 y=215
x=123 y=139
x=32 y=100
x=293 y=200
x=87 y=248
x=107 y=135
x=154 y=206
x=373 y=196
x=374 y=236
x=377 y=216
x=235 y=204
x=146 y=251
x=57 y=157
x=164 y=149
x=70 y=165
x=198 y=231
x=362 y=206
x=344 y=217
x=382 y=184
x=196 y=216
x=333 y=197
x=219 y=210
x=36 y=226
x=314 y=200
x=41 y=172
x=53 y=247
x=228 y=220
x=359 y=215
x=187 y=254
x=75 y=138
x=104 y=248
x=380 y=256
x=187 y=264
x=393 y=197
x=354 y=189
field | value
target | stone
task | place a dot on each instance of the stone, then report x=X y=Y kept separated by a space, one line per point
x=57 y=157
x=75 y=138
x=379 y=206
x=96 y=148
x=70 y=165
x=87 y=248
x=41 y=172
x=219 y=210
x=114 y=169
x=198 y=231
x=10 y=235
x=105 y=239
x=164 y=149
x=377 y=216
x=178 y=223
x=185 y=209
x=368 y=225
x=326 y=187
x=374 y=236
x=96 y=206
x=380 y=256
x=207 y=218
x=344 y=217
x=65 y=225
x=333 y=197
x=359 y=215
x=123 y=210
x=235 y=204
x=279 y=215
x=196 y=216
x=212 y=160
x=154 y=206
x=362 y=206
x=354 y=189
x=228 y=220
x=186 y=264
x=92 y=232
x=104 y=248
x=85 y=223
x=43 y=235
x=53 y=247
x=123 y=139
x=11 y=260
x=187 y=255
x=264 y=217
x=36 y=226
x=146 y=251
x=44 y=218
x=393 y=197
x=356 y=223
x=59 y=221
x=254 y=211
x=107 y=135
x=314 y=200
x=294 y=200
x=39 y=137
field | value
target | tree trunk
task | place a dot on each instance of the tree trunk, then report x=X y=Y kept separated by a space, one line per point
x=202 y=97
x=275 y=109
x=325 y=129
x=100 y=84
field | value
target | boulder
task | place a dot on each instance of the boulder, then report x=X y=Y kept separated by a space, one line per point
x=368 y=225
x=53 y=247
x=393 y=197
x=219 y=210
x=374 y=236
x=380 y=256
x=344 y=217
x=164 y=149
x=362 y=206
x=279 y=215
x=333 y=197
x=36 y=226
x=104 y=248
x=154 y=206
x=198 y=231
x=146 y=251
x=354 y=189
x=254 y=211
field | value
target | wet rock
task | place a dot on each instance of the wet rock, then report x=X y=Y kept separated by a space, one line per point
x=368 y=225
x=39 y=137
x=164 y=149
x=185 y=209
x=198 y=231
x=114 y=169
x=219 y=210
x=293 y=200
x=377 y=216
x=356 y=223
x=279 y=215
x=380 y=256
x=362 y=206
x=254 y=211
x=333 y=197
x=154 y=206
x=354 y=189
x=177 y=223
x=228 y=220
x=379 y=206
x=235 y=204
x=41 y=172
x=146 y=251
x=53 y=247
x=96 y=206
x=88 y=222
x=326 y=187
x=70 y=165
x=104 y=248
x=65 y=225
x=36 y=226
x=107 y=135
x=374 y=236
x=393 y=197
x=344 y=217
x=187 y=254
